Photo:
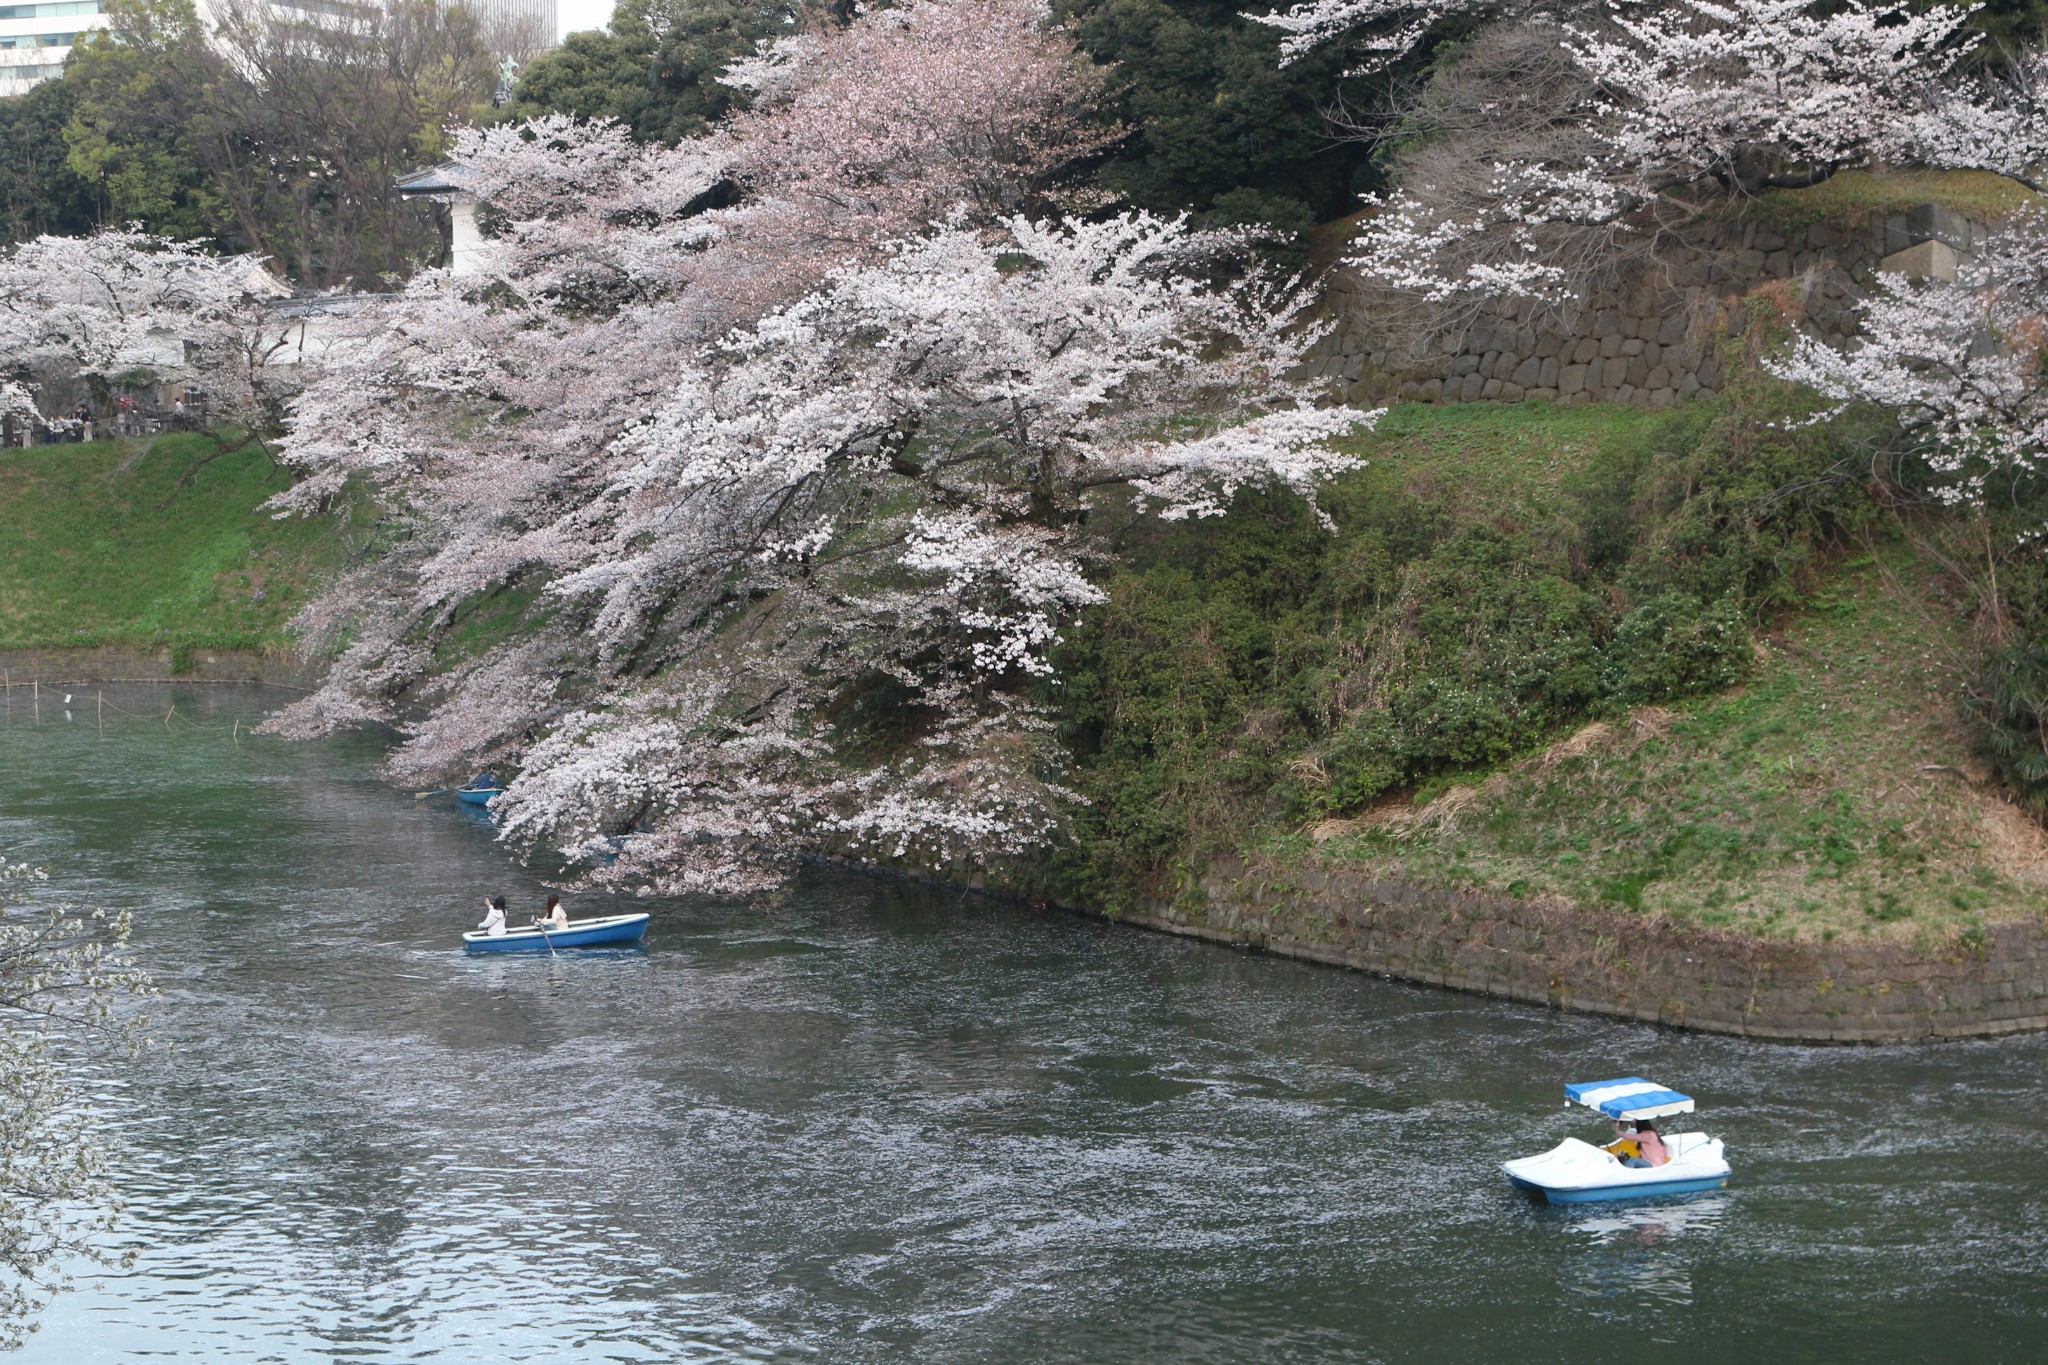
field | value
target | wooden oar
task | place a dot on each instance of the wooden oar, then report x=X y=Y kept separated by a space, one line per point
x=550 y=942
x=438 y=791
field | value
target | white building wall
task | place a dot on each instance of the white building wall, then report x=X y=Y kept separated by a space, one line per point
x=37 y=35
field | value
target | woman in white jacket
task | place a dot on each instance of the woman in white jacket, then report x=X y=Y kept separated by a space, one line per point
x=494 y=916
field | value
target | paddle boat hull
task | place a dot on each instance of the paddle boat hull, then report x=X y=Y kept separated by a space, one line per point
x=609 y=931
x=1575 y=1172
x=476 y=796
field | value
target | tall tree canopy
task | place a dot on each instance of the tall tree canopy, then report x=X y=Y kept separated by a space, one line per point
x=39 y=192
x=655 y=69
x=275 y=137
x=1219 y=127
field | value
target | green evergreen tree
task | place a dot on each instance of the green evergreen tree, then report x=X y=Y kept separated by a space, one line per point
x=656 y=70
x=39 y=192
x=136 y=87
x=1220 y=128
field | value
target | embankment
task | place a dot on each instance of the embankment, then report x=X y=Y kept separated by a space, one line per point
x=1616 y=963
x=124 y=664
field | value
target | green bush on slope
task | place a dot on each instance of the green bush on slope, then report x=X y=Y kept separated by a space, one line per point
x=1497 y=575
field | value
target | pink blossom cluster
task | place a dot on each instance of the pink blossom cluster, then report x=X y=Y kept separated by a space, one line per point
x=122 y=300
x=741 y=502
x=1963 y=362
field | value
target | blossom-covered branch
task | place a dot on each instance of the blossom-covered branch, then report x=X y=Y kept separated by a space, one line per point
x=1381 y=31
x=790 y=524
x=124 y=299
x=1962 y=362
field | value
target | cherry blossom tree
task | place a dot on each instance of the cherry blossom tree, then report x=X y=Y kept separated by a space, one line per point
x=120 y=300
x=1962 y=361
x=805 y=596
x=1524 y=176
x=898 y=119
x=1751 y=94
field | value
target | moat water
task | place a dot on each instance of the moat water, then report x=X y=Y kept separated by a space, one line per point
x=870 y=1123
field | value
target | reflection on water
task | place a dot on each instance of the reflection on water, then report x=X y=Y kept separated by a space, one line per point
x=1636 y=1250
x=869 y=1124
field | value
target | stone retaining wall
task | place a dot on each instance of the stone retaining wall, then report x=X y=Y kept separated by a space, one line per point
x=74 y=667
x=1650 y=339
x=1616 y=963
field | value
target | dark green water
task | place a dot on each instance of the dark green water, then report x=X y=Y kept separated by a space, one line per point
x=874 y=1124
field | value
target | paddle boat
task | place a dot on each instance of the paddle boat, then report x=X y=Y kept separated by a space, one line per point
x=605 y=931
x=1575 y=1172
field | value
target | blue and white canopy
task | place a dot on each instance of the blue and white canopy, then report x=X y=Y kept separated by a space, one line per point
x=1631 y=1097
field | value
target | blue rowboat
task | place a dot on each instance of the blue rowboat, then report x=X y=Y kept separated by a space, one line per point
x=476 y=796
x=1575 y=1172
x=581 y=933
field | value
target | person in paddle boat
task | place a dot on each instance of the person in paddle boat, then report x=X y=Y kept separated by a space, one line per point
x=555 y=918
x=1624 y=1145
x=494 y=916
x=1650 y=1148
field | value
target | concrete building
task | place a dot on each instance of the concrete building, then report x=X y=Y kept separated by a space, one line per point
x=36 y=36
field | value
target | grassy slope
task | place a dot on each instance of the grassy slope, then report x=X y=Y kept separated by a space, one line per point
x=153 y=544
x=1854 y=196
x=1493 y=461
x=1834 y=792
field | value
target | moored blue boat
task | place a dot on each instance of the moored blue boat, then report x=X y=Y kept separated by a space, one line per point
x=606 y=931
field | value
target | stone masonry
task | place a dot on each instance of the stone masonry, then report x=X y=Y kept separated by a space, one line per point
x=1616 y=963
x=1649 y=341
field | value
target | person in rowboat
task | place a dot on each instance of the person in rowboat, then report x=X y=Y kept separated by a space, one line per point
x=1652 y=1150
x=494 y=916
x=555 y=918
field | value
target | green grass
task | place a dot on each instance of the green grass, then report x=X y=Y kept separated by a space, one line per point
x=1444 y=689
x=1481 y=460
x=1854 y=197
x=1835 y=794
x=153 y=544
x=1491 y=578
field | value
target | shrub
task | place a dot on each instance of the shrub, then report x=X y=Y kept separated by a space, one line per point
x=1256 y=669
x=1672 y=646
x=2010 y=703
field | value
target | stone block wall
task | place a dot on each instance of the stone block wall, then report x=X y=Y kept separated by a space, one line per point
x=30 y=668
x=1616 y=963
x=1649 y=340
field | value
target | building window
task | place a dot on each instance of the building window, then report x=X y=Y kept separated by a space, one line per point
x=51 y=9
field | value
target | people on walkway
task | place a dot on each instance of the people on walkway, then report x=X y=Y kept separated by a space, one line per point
x=494 y=916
